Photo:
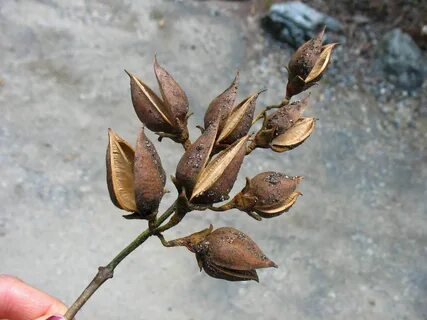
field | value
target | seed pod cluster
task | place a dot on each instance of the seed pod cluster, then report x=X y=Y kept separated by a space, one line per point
x=209 y=167
x=308 y=64
x=135 y=179
x=166 y=115
x=269 y=194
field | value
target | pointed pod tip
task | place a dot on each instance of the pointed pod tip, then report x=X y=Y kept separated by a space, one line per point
x=322 y=32
x=128 y=73
x=237 y=77
x=156 y=62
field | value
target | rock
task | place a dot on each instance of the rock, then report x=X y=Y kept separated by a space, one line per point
x=295 y=22
x=400 y=60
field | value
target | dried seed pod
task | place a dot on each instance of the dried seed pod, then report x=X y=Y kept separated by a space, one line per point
x=221 y=106
x=149 y=175
x=195 y=159
x=286 y=116
x=287 y=124
x=120 y=179
x=173 y=95
x=239 y=121
x=150 y=109
x=269 y=194
x=217 y=178
x=294 y=136
x=307 y=65
x=229 y=254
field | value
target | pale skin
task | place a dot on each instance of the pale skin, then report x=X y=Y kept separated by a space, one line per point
x=20 y=301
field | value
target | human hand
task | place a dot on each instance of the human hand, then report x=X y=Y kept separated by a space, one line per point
x=19 y=301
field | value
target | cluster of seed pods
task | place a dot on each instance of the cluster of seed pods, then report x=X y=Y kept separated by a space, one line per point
x=209 y=167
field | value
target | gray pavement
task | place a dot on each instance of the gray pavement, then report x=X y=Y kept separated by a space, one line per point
x=354 y=246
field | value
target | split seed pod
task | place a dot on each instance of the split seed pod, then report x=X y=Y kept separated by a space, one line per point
x=120 y=180
x=226 y=253
x=307 y=65
x=269 y=194
x=173 y=95
x=220 y=107
x=239 y=121
x=195 y=159
x=231 y=255
x=294 y=136
x=167 y=115
x=279 y=122
x=217 y=178
x=150 y=177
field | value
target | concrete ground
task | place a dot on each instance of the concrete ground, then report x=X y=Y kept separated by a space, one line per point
x=354 y=246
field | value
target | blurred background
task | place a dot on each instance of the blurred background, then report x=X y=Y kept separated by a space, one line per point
x=354 y=246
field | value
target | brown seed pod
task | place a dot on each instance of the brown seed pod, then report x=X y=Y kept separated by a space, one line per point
x=304 y=59
x=239 y=121
x=150 y=177
x=307 y=65
x=286 y=116
x=294 y=136
x=287 y=124
x=221 y=106
x=150 y=109
x=173 y=95
x=229 y=254
x=195 y=159
x=217 y=178
x=269 y=194
x=120 y=179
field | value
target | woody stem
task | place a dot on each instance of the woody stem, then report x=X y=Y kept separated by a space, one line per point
x=106 y=272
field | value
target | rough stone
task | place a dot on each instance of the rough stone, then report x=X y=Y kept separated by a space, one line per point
x=295 y=22
x=399 y=58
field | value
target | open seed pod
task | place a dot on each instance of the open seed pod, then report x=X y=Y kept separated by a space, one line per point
x=195 y=159
x=280 y=121
x=221 y=106
x=150 y=109
x=269 y=194
x=149 y=178
x=173 y=95
x=229 y=254
x=217 y=178
x=167 y=115
x=239 y=121
x=294 y=136
x=307 y=65
x=120 y=179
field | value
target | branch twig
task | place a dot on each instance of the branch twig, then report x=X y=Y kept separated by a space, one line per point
x=107 y=272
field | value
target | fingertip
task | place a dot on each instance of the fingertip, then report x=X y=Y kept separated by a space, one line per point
x=56 y=317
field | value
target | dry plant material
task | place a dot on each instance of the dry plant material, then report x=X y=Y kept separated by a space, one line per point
x=308 y=64
x=209 y=167
x=167 y=116
x=218 y=177
x=225 y=253
x=268 y=194
x=150 y=178
x=120 y=180
x=220 y=107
